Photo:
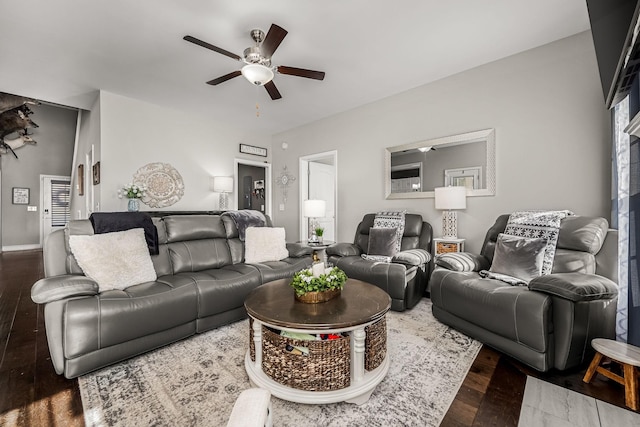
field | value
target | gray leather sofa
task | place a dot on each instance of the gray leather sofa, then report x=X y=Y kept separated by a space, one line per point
x=549 y=323
x=404 y=279
x=202 y=284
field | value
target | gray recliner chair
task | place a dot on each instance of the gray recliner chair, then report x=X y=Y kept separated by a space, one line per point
x=549 y=323
x=405 y=278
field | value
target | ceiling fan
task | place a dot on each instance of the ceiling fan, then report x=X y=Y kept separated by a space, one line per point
x=257 y=66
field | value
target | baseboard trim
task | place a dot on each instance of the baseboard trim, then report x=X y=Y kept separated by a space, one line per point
x=20 y=248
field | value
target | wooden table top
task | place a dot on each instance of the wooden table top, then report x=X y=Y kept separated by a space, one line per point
x=360 y=302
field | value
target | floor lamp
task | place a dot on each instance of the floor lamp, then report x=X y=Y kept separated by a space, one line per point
x=449 y=199
x=222 y=185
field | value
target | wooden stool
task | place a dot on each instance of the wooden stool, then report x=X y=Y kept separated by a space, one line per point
x=626 y=355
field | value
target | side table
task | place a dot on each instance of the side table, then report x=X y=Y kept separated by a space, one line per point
x=319 y=249
x=443 y=245
x=626 y=355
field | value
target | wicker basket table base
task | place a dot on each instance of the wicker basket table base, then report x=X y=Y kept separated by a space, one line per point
x=347 y=369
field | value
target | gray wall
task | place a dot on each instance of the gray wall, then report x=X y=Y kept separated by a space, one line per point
x=552 y=134
x=51 y=156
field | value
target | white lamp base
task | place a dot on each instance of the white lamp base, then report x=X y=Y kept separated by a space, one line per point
x=223 y=202
x=450 y=224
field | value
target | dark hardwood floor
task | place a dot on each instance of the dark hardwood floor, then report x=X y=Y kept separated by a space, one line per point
x=32 y=394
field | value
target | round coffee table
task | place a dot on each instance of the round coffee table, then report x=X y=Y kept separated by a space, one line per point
x=345 y=369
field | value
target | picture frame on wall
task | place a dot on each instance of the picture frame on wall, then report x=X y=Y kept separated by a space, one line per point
x=96 y=173
x=251 y=149
x=81 y=180
x=20 y=196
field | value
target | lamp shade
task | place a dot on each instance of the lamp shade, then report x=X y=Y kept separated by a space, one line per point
x=222 y=184
x=257 y=74
x=450 y=198
x=315 y=208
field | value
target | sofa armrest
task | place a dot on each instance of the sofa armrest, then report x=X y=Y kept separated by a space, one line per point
x=61 y=287
x=412 y=257
x=344 y=249
x=299 y=250
x=575 y=286
x=463 y=261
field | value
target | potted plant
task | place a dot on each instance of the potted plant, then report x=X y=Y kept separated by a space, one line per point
x=134 y=193
x=318 y=284
x=319 y=232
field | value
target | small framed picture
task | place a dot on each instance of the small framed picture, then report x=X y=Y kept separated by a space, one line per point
x=250 y=149
x=20 y=196
x=96 y=173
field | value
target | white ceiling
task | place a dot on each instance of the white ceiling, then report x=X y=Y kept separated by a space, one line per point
x=64 y=50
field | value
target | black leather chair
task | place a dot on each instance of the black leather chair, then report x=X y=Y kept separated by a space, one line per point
x=405 y=277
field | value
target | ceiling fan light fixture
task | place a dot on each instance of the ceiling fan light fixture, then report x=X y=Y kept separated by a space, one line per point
x=257 y=74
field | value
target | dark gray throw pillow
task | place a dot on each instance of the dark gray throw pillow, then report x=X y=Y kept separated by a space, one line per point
x=519 y=257
x=382 y=241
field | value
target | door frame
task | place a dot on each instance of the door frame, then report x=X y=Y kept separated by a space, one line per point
x=41 y=207
x=267 y=182
x=304 y=188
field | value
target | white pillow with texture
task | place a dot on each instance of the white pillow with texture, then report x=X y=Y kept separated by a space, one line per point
x=114 y=260
x=263 y=244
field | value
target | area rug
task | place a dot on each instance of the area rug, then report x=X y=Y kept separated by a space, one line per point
x=195 y=382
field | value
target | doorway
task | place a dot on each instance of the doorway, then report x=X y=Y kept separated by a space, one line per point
x=319 y=180
x=54 y=203
x=252 y=185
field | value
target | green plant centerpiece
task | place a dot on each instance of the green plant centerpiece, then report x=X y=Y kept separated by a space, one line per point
x=318 y=284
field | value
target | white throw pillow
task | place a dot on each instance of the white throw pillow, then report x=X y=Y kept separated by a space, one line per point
x=114 y=260
x=264 y=244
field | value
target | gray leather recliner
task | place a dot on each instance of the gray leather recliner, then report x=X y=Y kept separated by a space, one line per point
x=404 y=280
x=549 y=323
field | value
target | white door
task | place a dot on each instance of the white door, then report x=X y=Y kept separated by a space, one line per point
x=55 y=191
x=322 y=186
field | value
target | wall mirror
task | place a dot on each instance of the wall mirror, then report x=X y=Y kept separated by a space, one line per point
x=414 y=170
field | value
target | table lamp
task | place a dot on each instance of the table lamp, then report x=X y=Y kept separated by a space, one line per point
x=222 y=185
x=448 y=199
x=314 y=209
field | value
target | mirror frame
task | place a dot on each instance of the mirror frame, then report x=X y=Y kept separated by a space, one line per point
x=487 y=135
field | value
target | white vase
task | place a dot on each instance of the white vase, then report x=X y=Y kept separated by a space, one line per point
x=134 y=205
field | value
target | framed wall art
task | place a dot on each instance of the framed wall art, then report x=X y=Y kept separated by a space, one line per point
x=250 y=149
x=20 y=196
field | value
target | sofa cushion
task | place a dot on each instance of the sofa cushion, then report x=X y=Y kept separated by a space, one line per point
x=264 y=244
x=114 y=260
x=393 y=220
x=198 y=255
x=518 y=257
x=513 y=312
x=383 y=241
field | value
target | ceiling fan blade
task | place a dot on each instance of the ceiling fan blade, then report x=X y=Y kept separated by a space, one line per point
x=273 y=90
x=224 y=78
x=212 y=47
x=301 y=72
x=273 y=39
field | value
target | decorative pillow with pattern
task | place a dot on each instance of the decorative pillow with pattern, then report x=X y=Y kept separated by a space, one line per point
x=391 y=220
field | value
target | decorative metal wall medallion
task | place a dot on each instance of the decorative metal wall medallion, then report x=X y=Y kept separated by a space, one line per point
x=283 y=181
x=164 y=186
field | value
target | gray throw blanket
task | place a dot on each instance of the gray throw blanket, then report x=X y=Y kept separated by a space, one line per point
x=533 y=224
x=246 y=218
